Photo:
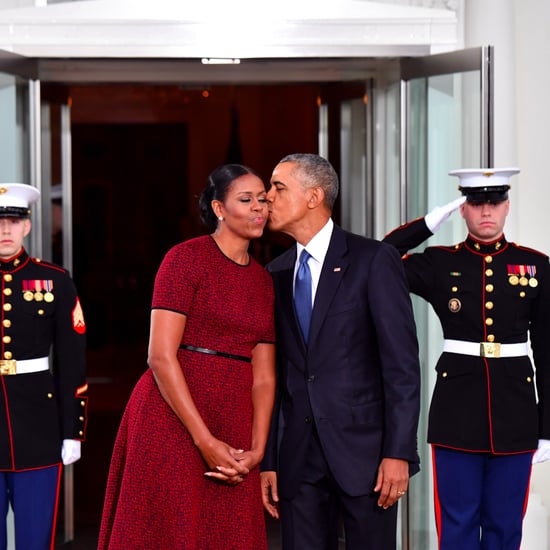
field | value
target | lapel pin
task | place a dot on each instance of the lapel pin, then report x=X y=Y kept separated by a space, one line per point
x=336 y=269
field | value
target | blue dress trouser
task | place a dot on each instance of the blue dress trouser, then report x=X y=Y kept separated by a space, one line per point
x=33 y=496
x=480 y=499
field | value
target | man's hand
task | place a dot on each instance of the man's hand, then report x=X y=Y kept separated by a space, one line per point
x=440 y=214
x=270 y=497
x=542 y=454
x=70 y=451
x=392 y=481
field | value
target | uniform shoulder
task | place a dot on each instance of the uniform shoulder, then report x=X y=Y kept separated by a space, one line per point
x=451 y=248
x=39 y=262
x=529 y=251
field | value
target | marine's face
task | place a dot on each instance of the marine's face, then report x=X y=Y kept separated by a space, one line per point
x=244 y=208
x=485 y=221
x=288 y=199
x=12 y=233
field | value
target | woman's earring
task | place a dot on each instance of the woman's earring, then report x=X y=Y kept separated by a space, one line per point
x=220 y=218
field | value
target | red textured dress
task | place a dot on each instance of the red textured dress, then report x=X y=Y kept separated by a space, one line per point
x=157 y=496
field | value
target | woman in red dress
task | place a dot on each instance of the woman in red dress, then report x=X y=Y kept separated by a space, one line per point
x=184 y=472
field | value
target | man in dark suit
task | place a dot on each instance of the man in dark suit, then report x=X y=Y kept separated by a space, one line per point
x=343 y=439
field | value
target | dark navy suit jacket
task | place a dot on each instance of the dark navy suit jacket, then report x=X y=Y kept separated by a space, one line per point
x=358 y=380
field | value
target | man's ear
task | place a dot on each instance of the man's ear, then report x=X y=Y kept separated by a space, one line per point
x=28 y=226
x=316 y=197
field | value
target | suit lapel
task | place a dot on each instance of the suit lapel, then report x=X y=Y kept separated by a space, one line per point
x=331 y=277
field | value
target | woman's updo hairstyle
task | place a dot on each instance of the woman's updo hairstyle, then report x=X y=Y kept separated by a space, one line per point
x=217 y=186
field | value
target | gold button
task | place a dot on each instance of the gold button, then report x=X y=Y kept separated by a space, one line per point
x=80 y=432
x=50 y=395
x=6 y=339
x=522 y=294
x=489 y=272
x=7 y=291
x=444 y=375
x=488 y=259
x=83 y=403
x=488 y=321
x=8 y=355
x=7 y=307
x=454 y=289
x=529 y=379
x=40 y=312
x=490 y=337
x=489 y=305
x=81 y=418
x=6 y=323
x=489 y=287
x=8 y=277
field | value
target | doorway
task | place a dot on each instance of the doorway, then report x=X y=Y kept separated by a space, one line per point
x=261 y=123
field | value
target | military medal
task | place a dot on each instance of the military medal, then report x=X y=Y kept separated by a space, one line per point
x=532 y=270
x=28 y=296
x=48 y=295
x=513 y=280
x=38 y=296
x=523 y=281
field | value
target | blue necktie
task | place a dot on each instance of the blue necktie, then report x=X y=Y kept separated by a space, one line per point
x=302 y=293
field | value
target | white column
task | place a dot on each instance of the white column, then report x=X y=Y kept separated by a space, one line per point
x=519 y=32
x=491 y=22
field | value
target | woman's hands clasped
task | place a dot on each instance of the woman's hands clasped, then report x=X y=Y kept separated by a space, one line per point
x=227 y=464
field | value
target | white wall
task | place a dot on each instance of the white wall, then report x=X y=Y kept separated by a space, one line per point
x=519 y=31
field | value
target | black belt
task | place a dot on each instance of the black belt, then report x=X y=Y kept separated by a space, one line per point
x=213 y=352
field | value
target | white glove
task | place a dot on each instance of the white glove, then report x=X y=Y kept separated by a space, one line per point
x=70 y=451
x=439 y=214
x=543 y=452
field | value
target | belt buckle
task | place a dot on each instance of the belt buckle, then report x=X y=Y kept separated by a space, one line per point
x=7 y=366
x=490 y=349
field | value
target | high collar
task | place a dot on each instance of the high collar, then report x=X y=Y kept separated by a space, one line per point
x=478 y=247
x=14 y=263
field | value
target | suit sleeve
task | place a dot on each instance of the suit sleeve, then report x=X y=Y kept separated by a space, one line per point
x=392 y=313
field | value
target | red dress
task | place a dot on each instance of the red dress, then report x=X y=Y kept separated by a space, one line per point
x=157 y=496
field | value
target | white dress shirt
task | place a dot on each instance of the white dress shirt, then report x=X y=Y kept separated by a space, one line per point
x=317 y=248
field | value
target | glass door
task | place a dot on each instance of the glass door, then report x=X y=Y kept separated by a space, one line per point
x=17 y=143
x=436 y=117
x=35 y=149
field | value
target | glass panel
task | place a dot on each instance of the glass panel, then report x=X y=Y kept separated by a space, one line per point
x=14 y=160
x=443 y=134
x=14 y=129
x=387 y=165
x=353 y=191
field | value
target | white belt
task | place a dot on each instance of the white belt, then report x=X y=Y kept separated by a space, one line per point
x=11 y=366
x=485 y=349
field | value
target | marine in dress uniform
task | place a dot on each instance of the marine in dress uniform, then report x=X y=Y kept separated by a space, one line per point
x=42 y=404
x=484 y=421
